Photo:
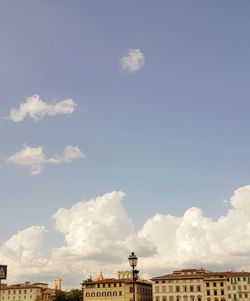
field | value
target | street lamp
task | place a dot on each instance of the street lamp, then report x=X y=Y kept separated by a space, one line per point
x=132 y=259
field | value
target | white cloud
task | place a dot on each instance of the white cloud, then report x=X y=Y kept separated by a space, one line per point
x=34 y=158
x=35 y=108
x=99 y=229
x=31 y=157
x=70 y=153
x=99 y=234
x=196 y=239
x=22 y=253
x=133 y=61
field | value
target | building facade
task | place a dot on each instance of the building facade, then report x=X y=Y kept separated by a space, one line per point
x=202 y=285
x=116 y=289
x=28 y=292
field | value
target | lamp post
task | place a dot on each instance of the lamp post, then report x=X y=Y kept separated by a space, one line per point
x=132 y=259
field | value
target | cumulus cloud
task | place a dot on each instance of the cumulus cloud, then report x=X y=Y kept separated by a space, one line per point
x=35 y=159
x=99 y=229
x=98 y=233
x=35 y=108
x=196 y=239
x=133 y=61
x=22 y=253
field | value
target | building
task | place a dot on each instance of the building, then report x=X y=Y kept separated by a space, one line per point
x=202 y=285
x=28 y=292
x=116 y=289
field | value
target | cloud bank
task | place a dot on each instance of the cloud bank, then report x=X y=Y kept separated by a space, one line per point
x=35 y=108
x=35 y=159
x=133 y=61
x=99 y=234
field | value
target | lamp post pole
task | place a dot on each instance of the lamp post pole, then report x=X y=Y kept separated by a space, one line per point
x=133 y=262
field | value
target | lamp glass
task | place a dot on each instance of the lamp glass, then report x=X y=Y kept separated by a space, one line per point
x=132 y=259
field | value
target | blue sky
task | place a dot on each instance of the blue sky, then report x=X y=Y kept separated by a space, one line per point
x=171 y=135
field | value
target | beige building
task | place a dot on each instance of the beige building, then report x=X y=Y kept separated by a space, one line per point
x=28 y=291
x=202 y=285
x=116 y=289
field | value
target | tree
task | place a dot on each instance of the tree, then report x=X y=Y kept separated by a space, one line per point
x=74 y=295
x=60 y=296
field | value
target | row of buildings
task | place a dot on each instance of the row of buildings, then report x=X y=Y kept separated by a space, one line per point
x=29 y=291
x=182 y=285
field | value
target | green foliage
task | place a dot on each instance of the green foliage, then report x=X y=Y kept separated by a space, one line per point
x=72 y=295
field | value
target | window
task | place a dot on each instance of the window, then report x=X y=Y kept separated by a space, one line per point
x=222 y=292
x=98 y=294
x=120 y=284
x=92 y=294
x=177 y=289
x=178 y=298
x=215 y=292
x=208 y=293
x=103 y=294
x=199 y=298
x=214 y=284
x=114 y=284
x=120 y=293
x=207 y=284
x=157 y=289
x=109 y=294
x=246 y=295
x=170 y=288
x=171 y=298
x=164 y=298
x=184 y=288
x=221 y=283
x=114 y=293
x=163 y=289
x=157 y=298
x=109 y=285
x=191 y=288
x=198 y=288
x=229 y=296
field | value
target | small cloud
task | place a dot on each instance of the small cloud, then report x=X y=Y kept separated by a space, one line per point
x=133 y=61
x=70 y=153
x=35 y=108
x=31 y=157
x=35 y=157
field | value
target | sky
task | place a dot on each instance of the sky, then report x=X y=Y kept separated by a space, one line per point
x=124 y=127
